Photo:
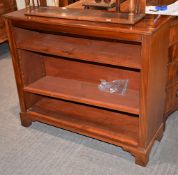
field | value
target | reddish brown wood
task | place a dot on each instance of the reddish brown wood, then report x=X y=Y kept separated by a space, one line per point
x=5 y=7
x=87 y=15
x=142 y=159
x=28 y=62
x=132 y=15
x=61 y=88
x=99 y=4
x=154 y=73
x=43 y=2
x=172 y=68
x=103 y=51
x=89 y=72
x=82 y=119
x=84 y=92
x=25 y=121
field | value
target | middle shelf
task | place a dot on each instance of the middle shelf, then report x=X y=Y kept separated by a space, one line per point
x=78 y=81
x=84 y=92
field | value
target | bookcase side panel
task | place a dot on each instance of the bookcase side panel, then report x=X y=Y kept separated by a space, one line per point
x=153 y=78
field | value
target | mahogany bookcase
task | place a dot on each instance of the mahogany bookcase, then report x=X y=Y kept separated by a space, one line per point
x=58 y=64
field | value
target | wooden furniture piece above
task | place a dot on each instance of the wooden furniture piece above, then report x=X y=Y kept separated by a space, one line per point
x=172 y=71
x=172 y=66
x=58 y=66
x=134 y=13
x=5 y=7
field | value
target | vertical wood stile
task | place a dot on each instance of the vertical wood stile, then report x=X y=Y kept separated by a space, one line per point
x=131 y=9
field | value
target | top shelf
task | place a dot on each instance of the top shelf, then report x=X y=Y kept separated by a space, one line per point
x=110 y=52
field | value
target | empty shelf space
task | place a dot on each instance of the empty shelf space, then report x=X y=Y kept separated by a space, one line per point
x=94 y=50
x=101 y=124
x=85 y=92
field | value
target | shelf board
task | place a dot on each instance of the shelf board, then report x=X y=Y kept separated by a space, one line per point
x=103 y=125
x=106 y=52
x=85 y=92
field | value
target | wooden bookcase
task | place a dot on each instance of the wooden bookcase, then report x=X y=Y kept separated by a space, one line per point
x=58 y=66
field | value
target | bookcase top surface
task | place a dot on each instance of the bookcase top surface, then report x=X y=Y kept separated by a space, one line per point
x=143 y=27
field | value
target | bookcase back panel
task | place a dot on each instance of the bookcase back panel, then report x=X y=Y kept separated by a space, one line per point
x=86 y=71
x=31 y=61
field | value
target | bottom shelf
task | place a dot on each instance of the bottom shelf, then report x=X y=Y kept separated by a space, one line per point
x=90 y=121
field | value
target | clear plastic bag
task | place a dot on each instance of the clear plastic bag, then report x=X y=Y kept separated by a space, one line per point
x=115 y=86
